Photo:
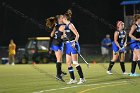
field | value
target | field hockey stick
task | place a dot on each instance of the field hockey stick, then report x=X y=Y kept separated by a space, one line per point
x=78 y=52
x=46 y=73
x=124 y=47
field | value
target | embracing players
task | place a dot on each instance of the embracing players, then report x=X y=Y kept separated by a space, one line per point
x=135 y=46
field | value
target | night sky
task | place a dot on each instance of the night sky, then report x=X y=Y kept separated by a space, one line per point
x=92 y=26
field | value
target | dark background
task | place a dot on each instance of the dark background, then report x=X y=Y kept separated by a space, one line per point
x=14 y=25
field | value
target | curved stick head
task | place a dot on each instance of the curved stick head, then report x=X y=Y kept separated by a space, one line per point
x=88 y=65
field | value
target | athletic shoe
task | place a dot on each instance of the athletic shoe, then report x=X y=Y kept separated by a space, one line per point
x=134 y=75
x=125 y=73
x=82 y=80
x=13 y=64
x=72 y=81
x=109 y=72
x=7 y=63
x=60 y=78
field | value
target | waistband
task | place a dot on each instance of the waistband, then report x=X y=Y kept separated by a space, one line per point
x=70 y=41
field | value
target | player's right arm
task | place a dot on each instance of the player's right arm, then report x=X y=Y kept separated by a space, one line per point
x=116 y=39
x=53 y=32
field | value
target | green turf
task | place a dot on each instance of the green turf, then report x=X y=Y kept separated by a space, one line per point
x=26 y=79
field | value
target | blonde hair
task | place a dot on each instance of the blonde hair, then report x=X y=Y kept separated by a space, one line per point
x=136 y=17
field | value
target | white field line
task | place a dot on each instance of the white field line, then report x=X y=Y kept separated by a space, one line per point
x=63 y=88
x=110 y=85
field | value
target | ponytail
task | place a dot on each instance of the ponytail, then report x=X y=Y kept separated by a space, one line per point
x=50 y=22
x=68 y=14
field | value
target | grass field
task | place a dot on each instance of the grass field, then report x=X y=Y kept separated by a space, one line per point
x=28 y=79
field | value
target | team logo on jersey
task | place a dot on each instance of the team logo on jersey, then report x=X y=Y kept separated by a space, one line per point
x=56 y=31
x=122 y=36
x=138 y=29
x=67 y=30
x=55 y=36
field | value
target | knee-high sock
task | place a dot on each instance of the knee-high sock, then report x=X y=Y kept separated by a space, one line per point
x=111 y=64
x=122 y=64
x=58 y=67
x=80 y=72
x=133 y=67
x=71 y=72
x=138 y=63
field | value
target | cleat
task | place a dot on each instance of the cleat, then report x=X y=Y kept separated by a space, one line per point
x=109 y=72
x=125 y=73
x=134 y=75
x=72 y=81
x=7 y=63
x=60 y=78
x=13 y=64
x=82 y=80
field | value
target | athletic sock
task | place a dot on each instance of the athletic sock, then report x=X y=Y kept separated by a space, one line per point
x=80 y=72
x=133 y=67
x=111 y=64
x=138 y=63
x=71 y=72
x=58 y=67
x=122 y=64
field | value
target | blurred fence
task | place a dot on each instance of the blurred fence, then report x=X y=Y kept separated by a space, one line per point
x=90 y=52
x=3 y=52
x=93 y=53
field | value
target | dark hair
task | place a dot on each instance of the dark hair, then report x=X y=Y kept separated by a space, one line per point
x=50 y=22
x=118 y=24
x=68 y=14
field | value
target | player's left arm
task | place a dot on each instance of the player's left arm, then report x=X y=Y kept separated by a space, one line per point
x=74 y=30
x=125 y=43
x=15 y=46
x=9 y=48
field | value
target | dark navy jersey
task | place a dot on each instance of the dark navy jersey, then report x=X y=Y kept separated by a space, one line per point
x=69 y=33
x=137 y=31
x=57 y=37
x=58 y=33
x=121 y=37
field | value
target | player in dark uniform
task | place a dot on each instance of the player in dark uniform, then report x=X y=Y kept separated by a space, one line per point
x=135 y=46
x=71 y=36
x=57 y=43
x=120 y=40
